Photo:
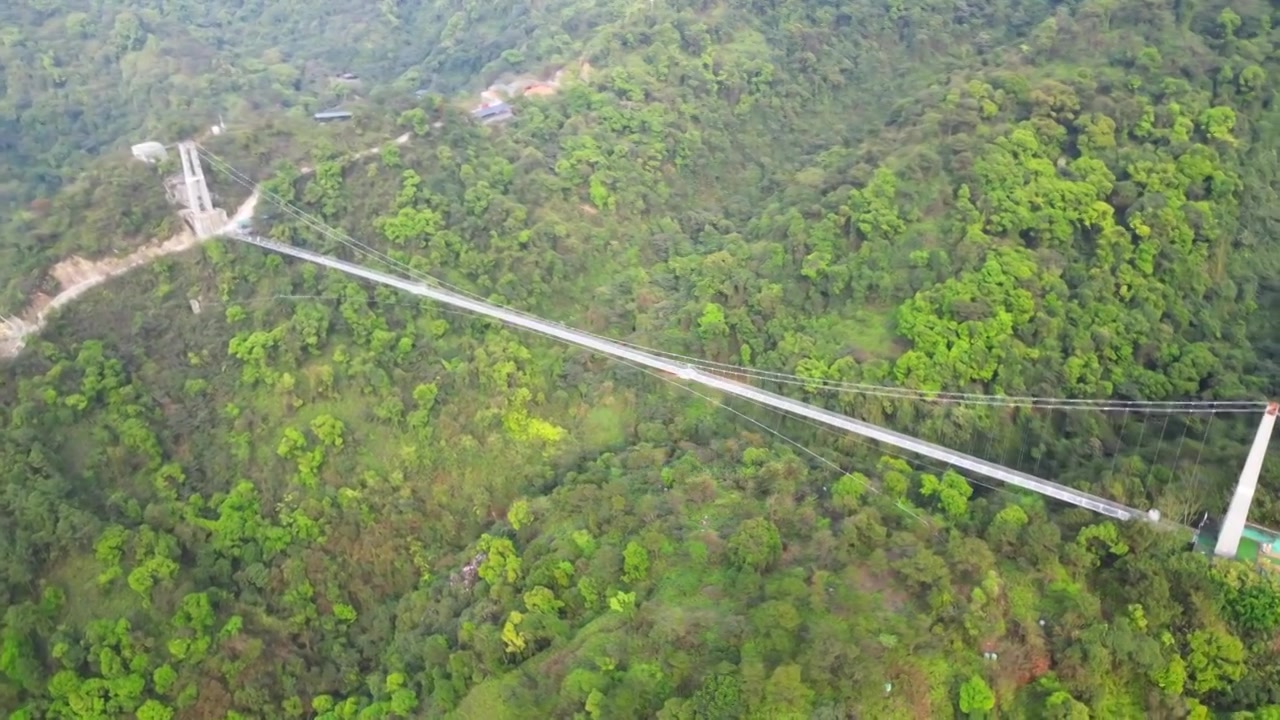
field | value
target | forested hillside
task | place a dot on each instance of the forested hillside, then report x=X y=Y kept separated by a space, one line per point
x=318 y=499
x=81 y=81
x=82 y=78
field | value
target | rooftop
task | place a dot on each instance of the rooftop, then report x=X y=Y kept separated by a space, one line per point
x=491 y=109
x=489 y=113
x=149 y=152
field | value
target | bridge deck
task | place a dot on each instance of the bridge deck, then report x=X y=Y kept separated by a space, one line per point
x=906 y=442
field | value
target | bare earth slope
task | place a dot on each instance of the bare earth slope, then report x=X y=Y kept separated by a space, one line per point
x=76 y=275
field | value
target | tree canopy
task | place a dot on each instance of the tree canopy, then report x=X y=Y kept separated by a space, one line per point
x=318 y=498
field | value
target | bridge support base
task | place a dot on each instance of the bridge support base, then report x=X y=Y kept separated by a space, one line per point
x=208 y=223
x=1238 y=512
x=205 y=219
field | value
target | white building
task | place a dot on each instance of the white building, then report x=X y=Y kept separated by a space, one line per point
x=150 y=152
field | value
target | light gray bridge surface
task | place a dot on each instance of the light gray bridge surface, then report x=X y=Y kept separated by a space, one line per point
x=692 y=374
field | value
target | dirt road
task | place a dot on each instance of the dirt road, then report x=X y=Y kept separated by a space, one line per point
x=77 y=275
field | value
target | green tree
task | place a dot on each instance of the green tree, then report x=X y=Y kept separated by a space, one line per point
x=519 y=514
x=1061 y=706
x=712 y=324
x=403 y=702
x=756 y=544
x=952 y=492
x=329 y=430
x=976 y=698
x=163 y=678
x=635 y=565
x=1215 y=660
x=1006 y=526
x=153 y=710
x=18 y=661
x=515 y=641
x=848 y=490
x=1218 y=122
x=786 y=697
x=719 y=698
x=501 y=563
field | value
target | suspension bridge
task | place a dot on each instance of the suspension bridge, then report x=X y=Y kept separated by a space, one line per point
x=208 y=221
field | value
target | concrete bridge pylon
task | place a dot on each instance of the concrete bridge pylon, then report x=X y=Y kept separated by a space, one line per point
x=205 y=219
x=1238 y=512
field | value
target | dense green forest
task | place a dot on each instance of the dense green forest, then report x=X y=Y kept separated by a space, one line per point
x=319 y=499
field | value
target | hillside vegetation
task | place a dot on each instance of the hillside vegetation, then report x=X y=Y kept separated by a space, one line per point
x=81 y=81
x=82 y=78
x=319 y=499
